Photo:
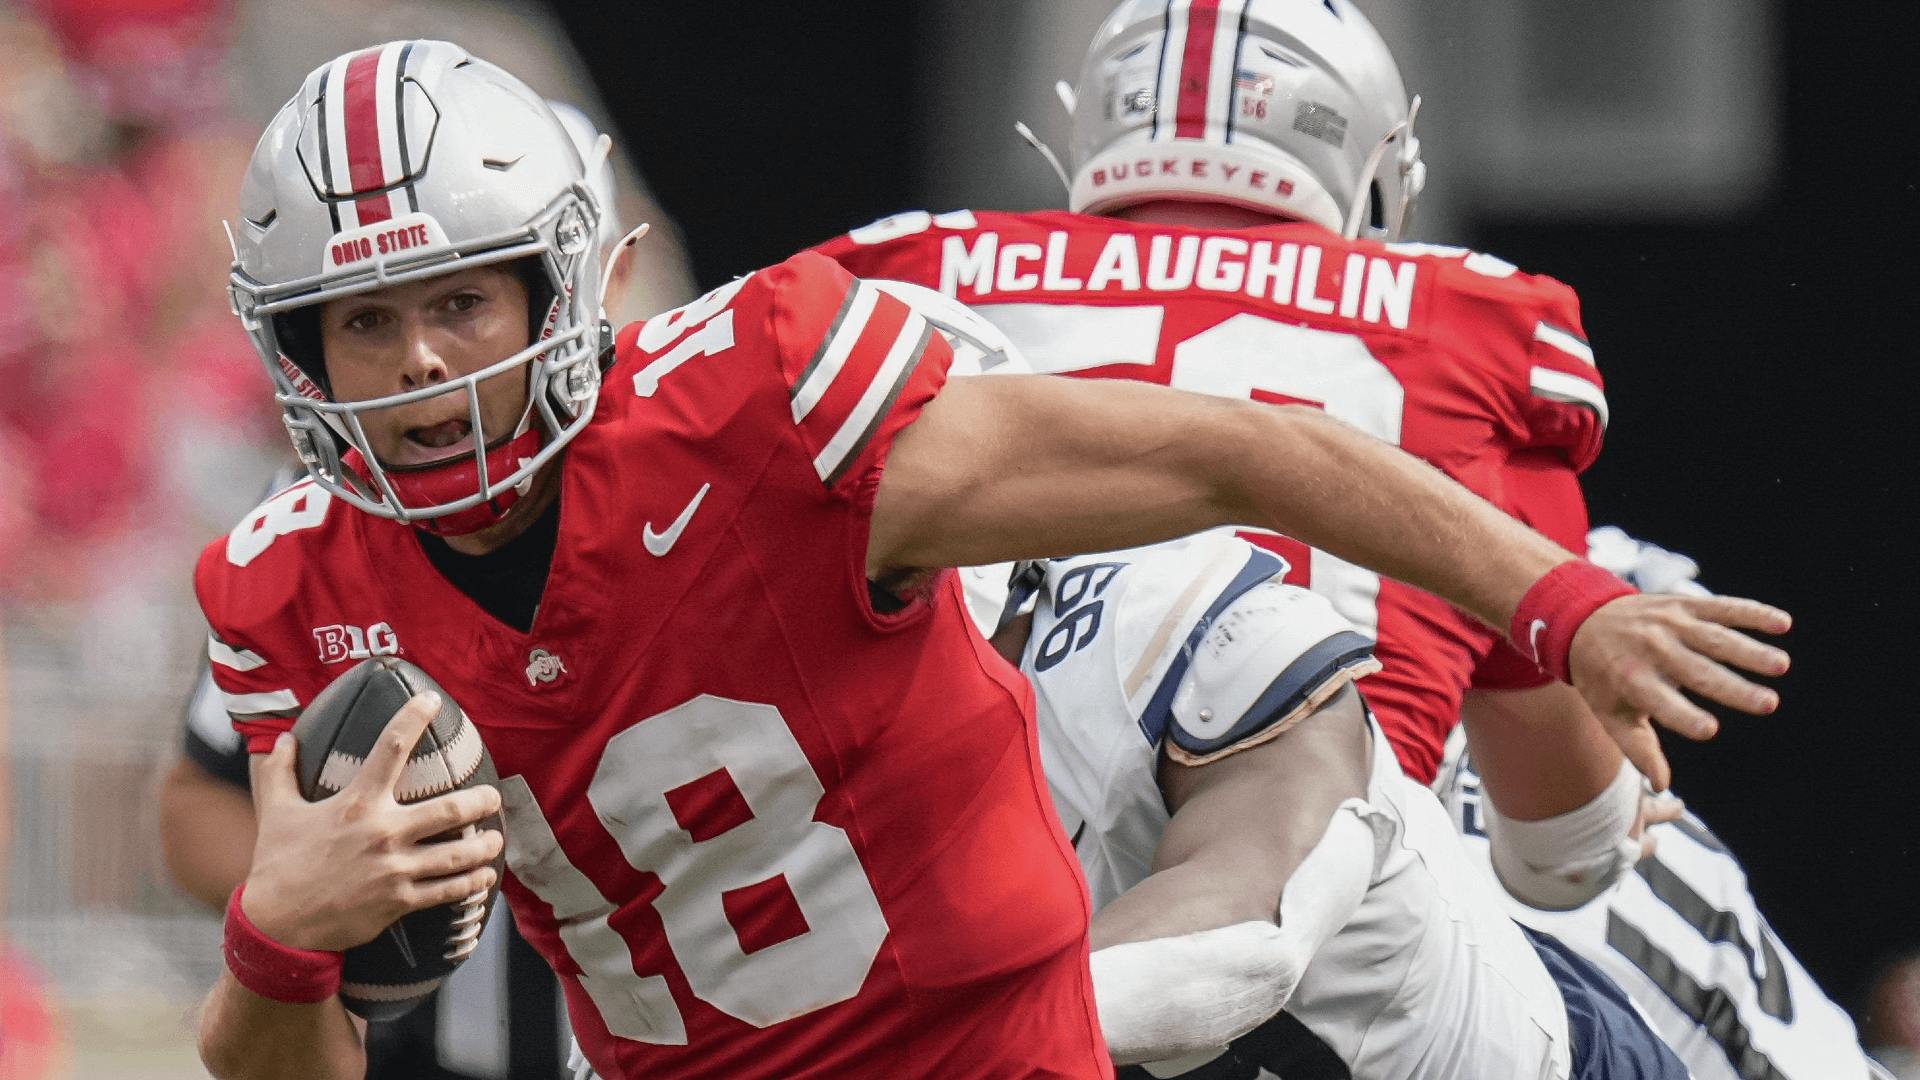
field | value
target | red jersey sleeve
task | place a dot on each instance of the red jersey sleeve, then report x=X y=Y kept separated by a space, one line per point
x=1566 y=405
x=858 y=365
x=246 y=583
x=1525 y=330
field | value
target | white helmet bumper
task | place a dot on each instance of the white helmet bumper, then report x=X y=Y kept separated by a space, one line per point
x=1254 y=177
x=1274 y=105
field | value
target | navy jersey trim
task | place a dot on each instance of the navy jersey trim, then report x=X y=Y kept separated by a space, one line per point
x=1261 y=566
x=1288 y=691
x=1713 y=1009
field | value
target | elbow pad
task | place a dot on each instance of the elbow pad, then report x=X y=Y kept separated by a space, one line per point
x=1171 y=997
x=1565 y=861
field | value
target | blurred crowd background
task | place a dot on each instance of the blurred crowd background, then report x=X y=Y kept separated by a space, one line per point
x=1717 y=179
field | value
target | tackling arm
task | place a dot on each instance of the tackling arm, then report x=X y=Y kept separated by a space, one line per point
x=1265 y=858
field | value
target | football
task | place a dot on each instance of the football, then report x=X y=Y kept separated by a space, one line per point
x=397 y=970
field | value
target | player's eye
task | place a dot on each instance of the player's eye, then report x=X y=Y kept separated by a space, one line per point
x=465 y=301
x=365 y=321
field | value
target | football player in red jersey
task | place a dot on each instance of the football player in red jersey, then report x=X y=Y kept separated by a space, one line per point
x=772 y=807
x=1241 y=172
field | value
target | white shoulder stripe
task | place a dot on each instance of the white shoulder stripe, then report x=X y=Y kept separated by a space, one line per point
x=1564 y=341
x=208 y=720
x=833 y=356
x=1572 y=389
x=879 y=392
x=265 y=702
x=229 y=657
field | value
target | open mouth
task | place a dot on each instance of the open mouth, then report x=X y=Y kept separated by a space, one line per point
x=435 y=442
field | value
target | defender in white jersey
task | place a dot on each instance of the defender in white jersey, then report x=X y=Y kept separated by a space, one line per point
x=1682 y=934
x=1154 y=668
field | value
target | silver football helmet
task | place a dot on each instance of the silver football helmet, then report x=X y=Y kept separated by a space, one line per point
x=401 y=162
x=1286 y=106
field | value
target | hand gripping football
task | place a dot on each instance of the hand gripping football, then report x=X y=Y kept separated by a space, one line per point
x=397 y=970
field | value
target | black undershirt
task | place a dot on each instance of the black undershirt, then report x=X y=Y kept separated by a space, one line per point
x=506 y=582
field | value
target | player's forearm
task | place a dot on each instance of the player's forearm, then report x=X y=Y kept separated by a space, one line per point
x=1562 y=805
x=1242 y=826
x=1539 y=752
x=206 y=833
x=1171 y=901
x=244 y=1036
x=1171 y=996
x=1329 y=485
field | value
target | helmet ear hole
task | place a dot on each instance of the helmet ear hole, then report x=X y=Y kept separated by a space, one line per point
x=1376 y=207
x=297 y=333
x=540 y=294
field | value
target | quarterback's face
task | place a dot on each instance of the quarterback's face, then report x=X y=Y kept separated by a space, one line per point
x=421 y=333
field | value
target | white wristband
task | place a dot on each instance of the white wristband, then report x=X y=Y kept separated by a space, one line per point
x=1565 y=861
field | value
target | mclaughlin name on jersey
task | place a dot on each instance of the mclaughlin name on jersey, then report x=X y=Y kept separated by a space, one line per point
x=758 y=827
x=1457 y=357
x=1368 y=288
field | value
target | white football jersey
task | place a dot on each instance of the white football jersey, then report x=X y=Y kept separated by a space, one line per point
x=1430 y=979
x=1685 y=940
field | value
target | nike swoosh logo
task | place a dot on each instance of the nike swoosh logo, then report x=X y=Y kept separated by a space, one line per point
x=658 y=544
x=1533 y=638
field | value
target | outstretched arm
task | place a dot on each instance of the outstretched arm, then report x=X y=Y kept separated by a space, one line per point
x=1028 y=466
x=1019 y=467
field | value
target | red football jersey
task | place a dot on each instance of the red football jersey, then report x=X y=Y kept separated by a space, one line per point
x=760 y=829
x=1455 y=356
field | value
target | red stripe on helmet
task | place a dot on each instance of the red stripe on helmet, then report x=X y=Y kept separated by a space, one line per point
x=1196 y=69
x=362 y=111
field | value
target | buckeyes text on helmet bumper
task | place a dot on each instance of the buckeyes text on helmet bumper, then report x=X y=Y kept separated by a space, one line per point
x=1273 y=105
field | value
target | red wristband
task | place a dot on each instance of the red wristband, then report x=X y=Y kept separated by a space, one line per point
x=275 y=971
x=1553 y=610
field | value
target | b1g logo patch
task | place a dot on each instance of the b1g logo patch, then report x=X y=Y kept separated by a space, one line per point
x=340 y=643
